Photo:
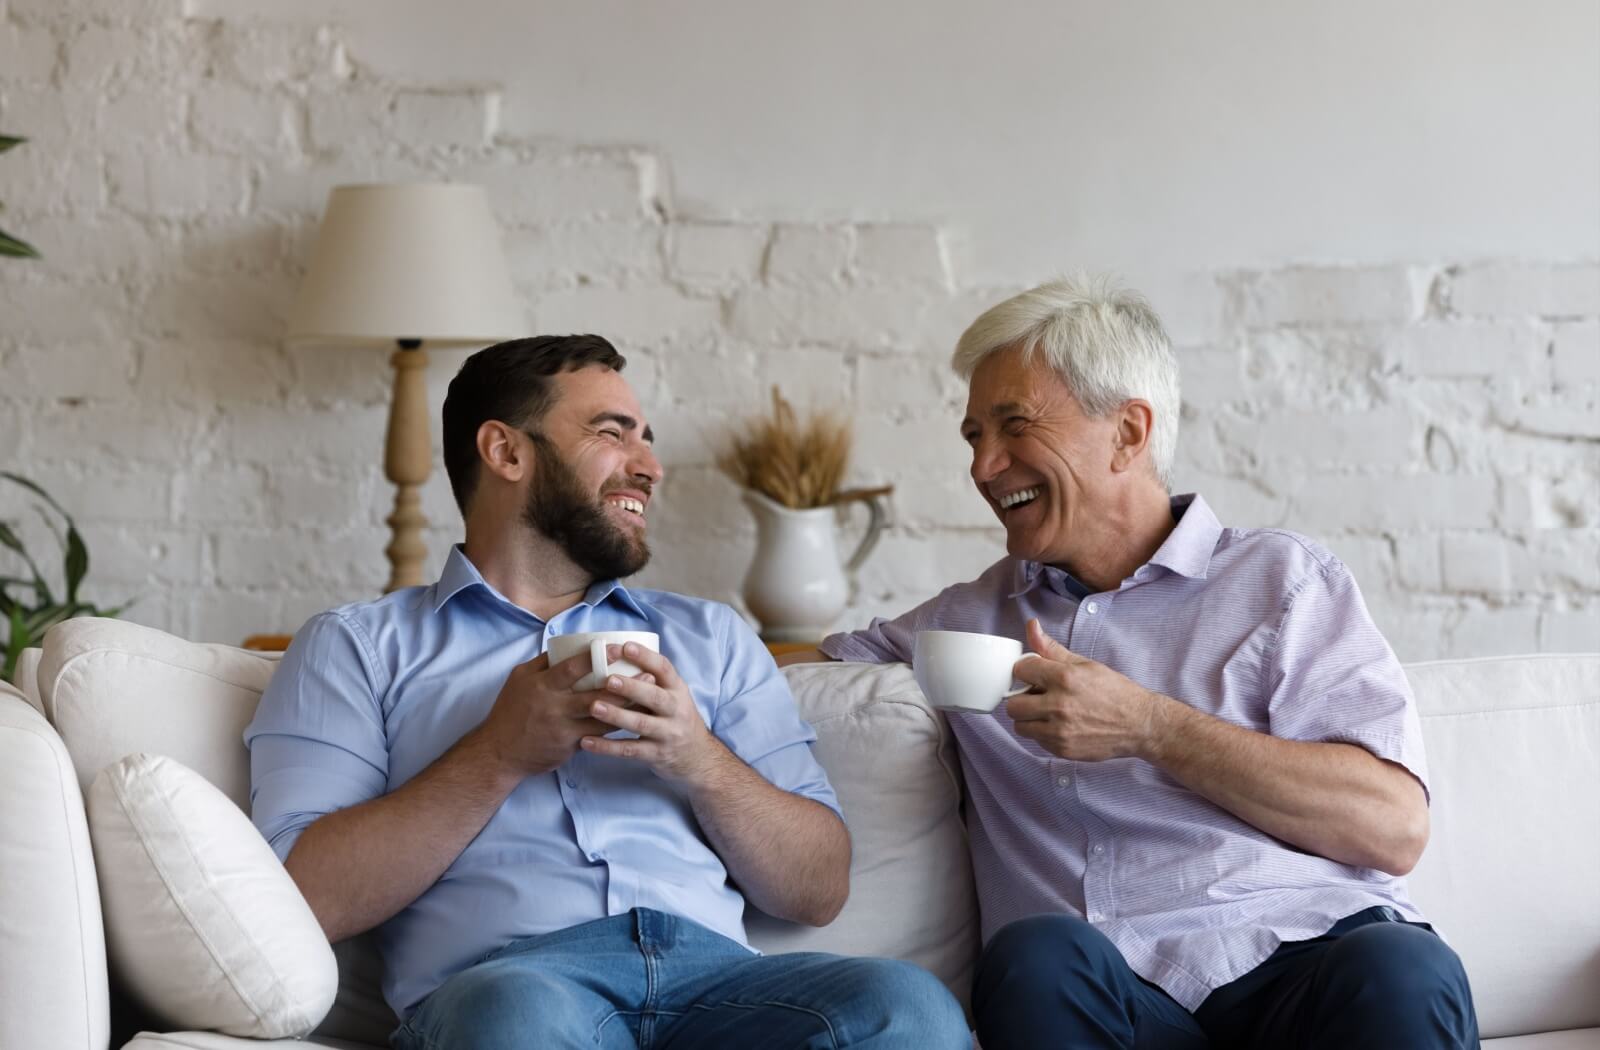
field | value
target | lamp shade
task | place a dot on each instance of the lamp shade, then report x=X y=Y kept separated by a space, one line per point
x=412 y=261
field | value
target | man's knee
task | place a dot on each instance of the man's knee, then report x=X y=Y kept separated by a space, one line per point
x=1397 y=955
x=1045 y=948
x=888 y=996
x=1393 y=970
x=493 y=1006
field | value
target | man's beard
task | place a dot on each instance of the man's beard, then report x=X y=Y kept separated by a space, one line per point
x=559 y=508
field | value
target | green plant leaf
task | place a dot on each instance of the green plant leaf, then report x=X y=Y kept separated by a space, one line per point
x=55 y=530
x=16 y=249
x=76 y=563
x=18 y=479
x=10 y=539
x=16 y=641
x=7 y=141
x=41 y=620
x=31 y=619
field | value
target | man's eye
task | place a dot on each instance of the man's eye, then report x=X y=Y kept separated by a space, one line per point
x=1015 y=424
x=615 y=435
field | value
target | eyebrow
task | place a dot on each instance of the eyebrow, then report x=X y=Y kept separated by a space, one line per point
x=626 y=422
x=1005 y=408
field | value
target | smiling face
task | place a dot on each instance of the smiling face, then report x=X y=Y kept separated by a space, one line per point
x=594 y=473
x=1043 y=466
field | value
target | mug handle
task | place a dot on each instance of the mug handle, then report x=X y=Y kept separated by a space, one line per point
x=597 y=661
x=1024 y=689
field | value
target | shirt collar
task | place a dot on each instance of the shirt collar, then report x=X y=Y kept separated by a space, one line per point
x=1187 y=550
x=459 y=574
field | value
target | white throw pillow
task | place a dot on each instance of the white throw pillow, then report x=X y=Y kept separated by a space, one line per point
x=891 y=760
x=203 y=924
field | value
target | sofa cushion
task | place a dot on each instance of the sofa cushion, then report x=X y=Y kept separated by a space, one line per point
x=112 y=688
x=891 y=760
x=204 y=926
x=52 y=950
x=1511 y=875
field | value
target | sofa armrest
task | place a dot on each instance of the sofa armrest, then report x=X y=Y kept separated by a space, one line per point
x=27 y=677
x=53 y=956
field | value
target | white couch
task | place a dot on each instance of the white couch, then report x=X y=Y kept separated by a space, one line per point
x=1512 y=875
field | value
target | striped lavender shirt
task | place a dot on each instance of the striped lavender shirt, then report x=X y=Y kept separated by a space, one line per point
x=1258 y=627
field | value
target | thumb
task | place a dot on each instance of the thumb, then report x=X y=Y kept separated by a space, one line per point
x=1046 y=646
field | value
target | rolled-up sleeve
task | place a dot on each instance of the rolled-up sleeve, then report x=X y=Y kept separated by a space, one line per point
x=758 y=721
x=886 y=641
x=1333 y=678
x=317 y=741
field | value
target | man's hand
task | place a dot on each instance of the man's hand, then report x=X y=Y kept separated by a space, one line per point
x=1079 y=709
x=537 y=720
x=673 y=739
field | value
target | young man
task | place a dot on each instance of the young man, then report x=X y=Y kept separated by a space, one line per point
x=1191 y=832
x=537 y=878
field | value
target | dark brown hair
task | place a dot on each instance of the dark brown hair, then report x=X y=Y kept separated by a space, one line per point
x=510 y=382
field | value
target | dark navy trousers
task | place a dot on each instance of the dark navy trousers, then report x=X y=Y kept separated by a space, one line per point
x=1054 y=982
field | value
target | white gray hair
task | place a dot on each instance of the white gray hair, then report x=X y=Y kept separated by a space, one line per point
x=1105 y=342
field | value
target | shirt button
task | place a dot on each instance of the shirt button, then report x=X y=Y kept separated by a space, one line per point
x=1063 y=780
x=1092 y=608
x=1098 y=848
x=571 y=783
x=594 y=855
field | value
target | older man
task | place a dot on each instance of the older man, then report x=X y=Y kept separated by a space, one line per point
x=536 y=879
x=1191 y=831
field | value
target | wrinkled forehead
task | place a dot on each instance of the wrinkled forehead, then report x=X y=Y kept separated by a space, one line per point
x=594 y=389
x=1005 y=380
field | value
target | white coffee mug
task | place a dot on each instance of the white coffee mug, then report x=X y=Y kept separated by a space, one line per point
x=963 y=671
x=565 y=646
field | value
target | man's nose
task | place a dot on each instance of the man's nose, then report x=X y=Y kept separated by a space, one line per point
x=646 y=467
x=988 y=460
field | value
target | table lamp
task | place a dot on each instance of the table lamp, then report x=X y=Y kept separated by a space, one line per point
x=409 y=266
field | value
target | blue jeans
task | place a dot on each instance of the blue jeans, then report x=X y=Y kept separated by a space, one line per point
x=1371 y=981
x=652 y=981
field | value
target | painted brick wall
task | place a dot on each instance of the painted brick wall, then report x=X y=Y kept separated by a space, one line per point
x=1434 y=421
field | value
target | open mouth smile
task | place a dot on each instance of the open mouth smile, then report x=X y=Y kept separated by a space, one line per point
x=1020 y=497
x=631 y=505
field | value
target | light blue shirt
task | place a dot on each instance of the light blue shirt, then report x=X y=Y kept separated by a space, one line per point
x=370 y=694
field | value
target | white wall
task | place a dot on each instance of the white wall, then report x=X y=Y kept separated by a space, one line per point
x=1374 y=231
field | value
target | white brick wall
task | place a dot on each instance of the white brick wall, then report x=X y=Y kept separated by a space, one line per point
x=1434 y=421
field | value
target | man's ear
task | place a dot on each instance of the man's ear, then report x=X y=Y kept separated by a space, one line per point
x=505 y=451
x=1132 y=435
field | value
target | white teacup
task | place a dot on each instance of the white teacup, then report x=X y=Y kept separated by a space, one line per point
x=565 y=646
x=964 y=671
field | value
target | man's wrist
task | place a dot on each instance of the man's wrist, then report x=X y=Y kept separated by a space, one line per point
x=711 y=771
x=481 y=752
x=1163 y=717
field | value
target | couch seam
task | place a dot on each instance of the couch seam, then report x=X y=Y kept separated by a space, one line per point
x=1541 y=657
x=61 y=671
x=1581 y=705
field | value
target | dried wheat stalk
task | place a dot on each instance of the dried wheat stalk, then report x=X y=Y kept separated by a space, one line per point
x=798 y=464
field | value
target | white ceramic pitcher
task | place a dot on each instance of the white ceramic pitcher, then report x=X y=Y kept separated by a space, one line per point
x=796 y=587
